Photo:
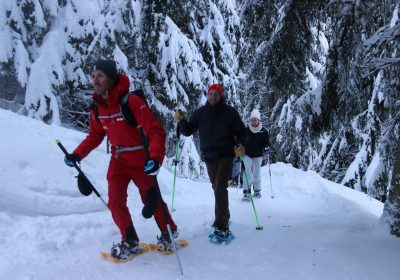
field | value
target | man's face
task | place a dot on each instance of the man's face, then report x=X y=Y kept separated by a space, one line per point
x=101 y=83
x=213 y=97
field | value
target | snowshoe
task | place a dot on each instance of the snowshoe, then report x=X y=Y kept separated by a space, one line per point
x=125 y=251
x=164 y=241
x=165 y=246
x=221 y=236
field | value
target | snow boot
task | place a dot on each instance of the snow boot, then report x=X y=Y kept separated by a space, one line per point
x=257 y=194
x=246 y=195
x=125 y=249
x=164 y=243
x=222 y=233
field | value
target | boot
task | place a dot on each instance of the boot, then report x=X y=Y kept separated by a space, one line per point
x=124 y=249
x=246 y=195
x=164 y=241
x=222 y=232
x=257 y=194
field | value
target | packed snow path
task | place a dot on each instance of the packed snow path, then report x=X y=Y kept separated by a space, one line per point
x=313 y=228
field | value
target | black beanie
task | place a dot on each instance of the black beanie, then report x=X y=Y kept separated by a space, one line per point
x=108 y=67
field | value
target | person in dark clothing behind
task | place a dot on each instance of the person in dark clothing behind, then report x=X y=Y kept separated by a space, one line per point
x=236 y=180
x=219 y=125
x=256 y=143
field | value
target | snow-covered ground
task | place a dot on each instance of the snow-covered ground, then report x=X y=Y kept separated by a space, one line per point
x=313 y=229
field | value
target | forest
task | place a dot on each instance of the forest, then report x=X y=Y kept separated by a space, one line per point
x=324 y=74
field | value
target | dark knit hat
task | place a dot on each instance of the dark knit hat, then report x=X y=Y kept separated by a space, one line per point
x=108 y=67
x=219 y=88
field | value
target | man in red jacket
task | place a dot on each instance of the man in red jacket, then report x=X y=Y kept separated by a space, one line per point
x=128 y=160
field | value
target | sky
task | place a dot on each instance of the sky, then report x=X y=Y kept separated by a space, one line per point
x=313 y=229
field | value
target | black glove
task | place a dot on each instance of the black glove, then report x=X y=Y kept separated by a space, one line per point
x=71 y=159
x=150 y=203
x=151 y=167
x=84 y=185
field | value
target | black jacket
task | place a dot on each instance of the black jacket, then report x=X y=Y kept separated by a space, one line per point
x=220 y=128
x=255 y=143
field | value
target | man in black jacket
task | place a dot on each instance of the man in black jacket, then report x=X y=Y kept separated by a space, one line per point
x=220 y=127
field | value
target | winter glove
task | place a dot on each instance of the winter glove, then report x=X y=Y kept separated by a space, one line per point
x=150 y=203
x=84 y=185
x=71 y=159
x=151 y=167
x=239 y=150
x=180 y=115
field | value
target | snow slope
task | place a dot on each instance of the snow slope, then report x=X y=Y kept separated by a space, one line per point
x=313 y=228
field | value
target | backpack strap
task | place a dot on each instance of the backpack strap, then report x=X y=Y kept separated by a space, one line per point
x=124 y=106
x=95 y=110
x=126 y=111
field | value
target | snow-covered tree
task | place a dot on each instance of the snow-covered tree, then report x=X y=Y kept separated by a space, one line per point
x=324 y=74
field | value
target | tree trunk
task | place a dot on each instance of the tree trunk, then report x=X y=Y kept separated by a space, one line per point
x=391 y=211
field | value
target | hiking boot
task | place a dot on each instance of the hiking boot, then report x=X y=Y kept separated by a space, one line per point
x=246 y=195
x=257 y=194
x=125 y=249
x=222 y=232
x=233 y=184
x=164 y=241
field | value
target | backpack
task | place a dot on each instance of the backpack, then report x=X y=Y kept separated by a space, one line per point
x=124 y=106
x=125 y=111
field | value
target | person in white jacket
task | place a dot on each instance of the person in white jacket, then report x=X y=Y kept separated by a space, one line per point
x=256 y=143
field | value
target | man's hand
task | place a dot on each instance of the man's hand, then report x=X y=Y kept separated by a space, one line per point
x=151 y=167
x=239 y=150
x=71 y=159
x=180 y=115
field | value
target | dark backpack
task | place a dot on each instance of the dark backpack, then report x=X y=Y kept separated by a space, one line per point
x=125 y=110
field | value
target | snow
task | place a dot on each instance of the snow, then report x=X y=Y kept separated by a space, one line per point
x=395 y=16
x=5 y=34
x=313 y=228
x=374 y=170
x=46 y=71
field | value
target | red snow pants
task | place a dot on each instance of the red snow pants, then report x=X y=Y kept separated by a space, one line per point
x=119 y=176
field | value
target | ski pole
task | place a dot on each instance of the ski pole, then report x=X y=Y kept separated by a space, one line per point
x=270 y=177
x=163 y=210
x=251 y=199
x=178 y=134
x=240 y=175
x=82 y=174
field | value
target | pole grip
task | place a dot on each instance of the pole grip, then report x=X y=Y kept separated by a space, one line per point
x=78 y=168
x=61 y=147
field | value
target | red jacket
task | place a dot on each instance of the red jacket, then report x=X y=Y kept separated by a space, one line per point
x=119 y=133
